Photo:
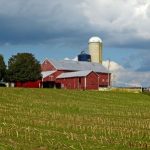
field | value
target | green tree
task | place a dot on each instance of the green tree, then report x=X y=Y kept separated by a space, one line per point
x=2 y=68
x=23 y=67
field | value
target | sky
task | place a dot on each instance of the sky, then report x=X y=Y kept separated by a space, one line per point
x=57 y=29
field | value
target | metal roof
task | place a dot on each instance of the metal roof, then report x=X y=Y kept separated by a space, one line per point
x=74 y=74
x=78 y=66
x=47 y=73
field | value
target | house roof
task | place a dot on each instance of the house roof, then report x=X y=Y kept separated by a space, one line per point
x=74 y=74
x=47 y=73
x=78 y=66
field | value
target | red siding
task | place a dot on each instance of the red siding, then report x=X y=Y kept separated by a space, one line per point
x=69 y=83
x=29 y=84
x=89 y=82
x=103 y=79
x=53 y=76
x=92 y=81
x=47 y=66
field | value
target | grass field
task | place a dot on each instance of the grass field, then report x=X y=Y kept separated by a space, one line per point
x=42 y=119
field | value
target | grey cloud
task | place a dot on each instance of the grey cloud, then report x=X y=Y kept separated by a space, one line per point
x=123 y=77
x=36 y=21
x=148 y=10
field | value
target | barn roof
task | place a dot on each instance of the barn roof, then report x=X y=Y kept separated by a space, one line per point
x=47 y=73
x=78 y=66
x=74 y=74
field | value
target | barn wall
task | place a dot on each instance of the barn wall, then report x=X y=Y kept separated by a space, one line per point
x=82 y=85
x=103 y=79
x=47 y=66
x=79 y=82
x=53 y=76
x=73 y=83
x=92 y=81
x=69 y=83
x=28 y=84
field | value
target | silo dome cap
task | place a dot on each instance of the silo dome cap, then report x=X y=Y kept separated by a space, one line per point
x=95 y=39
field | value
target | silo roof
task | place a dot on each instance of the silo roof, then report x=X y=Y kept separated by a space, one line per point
x=95 y=39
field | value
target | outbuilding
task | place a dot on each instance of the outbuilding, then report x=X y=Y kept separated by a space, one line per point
x=85 y=80
x=70 y=74
x=28 y=84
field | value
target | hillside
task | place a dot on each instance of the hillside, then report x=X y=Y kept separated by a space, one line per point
x=42 y=119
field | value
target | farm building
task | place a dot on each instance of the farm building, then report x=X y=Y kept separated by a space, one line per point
x=87 y=73
x=70 y=74
x=29 y=84
x=78 y=80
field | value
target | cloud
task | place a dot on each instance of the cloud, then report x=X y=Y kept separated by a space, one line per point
x=124 y=77
x=126 y=22
x=121 y=23
x=74 y=59
x=113 y=66
x=37 y=21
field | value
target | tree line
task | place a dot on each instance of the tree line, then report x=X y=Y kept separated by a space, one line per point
x=21 y=67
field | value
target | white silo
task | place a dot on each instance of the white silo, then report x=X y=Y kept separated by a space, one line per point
x=95 y=49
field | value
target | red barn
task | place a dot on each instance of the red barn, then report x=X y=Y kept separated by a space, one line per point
x=70 y=74
x=78 y=80
x=29 y=84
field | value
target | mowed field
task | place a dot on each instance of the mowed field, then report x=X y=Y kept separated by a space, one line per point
x=42 y=119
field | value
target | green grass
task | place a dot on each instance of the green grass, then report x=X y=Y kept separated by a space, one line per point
x=42 y=119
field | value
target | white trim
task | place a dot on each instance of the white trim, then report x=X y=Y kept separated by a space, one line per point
x=85 y=83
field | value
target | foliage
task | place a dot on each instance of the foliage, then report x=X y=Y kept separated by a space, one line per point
x=23 y=67
x=73 y=120
x=2 y=68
